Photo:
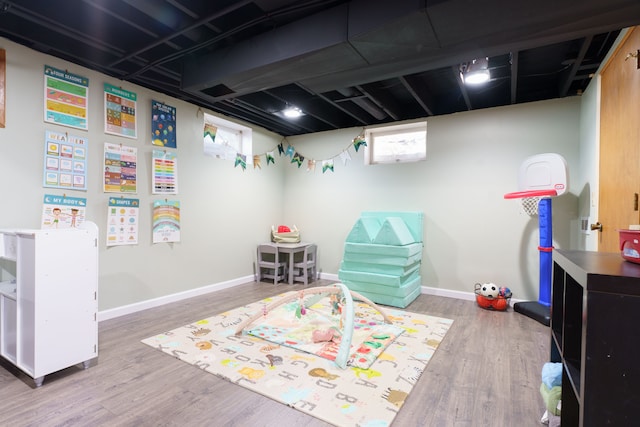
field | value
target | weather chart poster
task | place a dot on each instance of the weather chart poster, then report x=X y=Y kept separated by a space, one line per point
x=120 y=112
x=65 y=98
x=65 y=161
x=122 y=221
x=166 y=221
x=163 y=125
x=63 y=211
x=120 y=166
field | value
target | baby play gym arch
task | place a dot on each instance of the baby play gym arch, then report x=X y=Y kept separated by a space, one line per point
x=347 y=313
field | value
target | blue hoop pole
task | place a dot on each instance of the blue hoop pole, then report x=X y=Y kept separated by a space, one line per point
x=546 y=250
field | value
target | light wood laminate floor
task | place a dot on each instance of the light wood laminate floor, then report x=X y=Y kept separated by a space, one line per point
x=486 y=372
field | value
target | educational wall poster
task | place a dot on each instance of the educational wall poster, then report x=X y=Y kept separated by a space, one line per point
x=163 y=125
x=122 y=221
x=65 y=161
x=165 y=172
x=120 y=165
x=63 y=211
x=166 y=221
x=120 y=112
x=65 y=98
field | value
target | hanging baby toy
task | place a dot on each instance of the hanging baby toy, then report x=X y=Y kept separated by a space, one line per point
x=300 y=311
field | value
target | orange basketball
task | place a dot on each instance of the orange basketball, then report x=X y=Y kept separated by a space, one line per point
x=500 y=304
x=483 y=301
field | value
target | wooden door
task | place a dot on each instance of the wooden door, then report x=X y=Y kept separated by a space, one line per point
x=620 y=142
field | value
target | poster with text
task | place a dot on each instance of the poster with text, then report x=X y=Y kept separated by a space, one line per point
x=166 y=221
x=65 y=98
x=165 y=172
x=120 y=112
x=65 y=161
x=120 y=166
x=122 y=221
x=63 y=211
x=163 y=125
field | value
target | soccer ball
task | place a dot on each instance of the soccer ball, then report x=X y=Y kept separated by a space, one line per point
x=490 y=290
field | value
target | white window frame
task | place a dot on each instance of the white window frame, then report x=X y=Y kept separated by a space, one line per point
x=231 y=138
x=387 y=144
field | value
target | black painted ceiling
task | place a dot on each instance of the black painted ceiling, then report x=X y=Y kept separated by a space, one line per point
x=344 y=63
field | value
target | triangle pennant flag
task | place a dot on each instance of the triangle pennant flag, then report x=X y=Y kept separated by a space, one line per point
x=311 y=165
x=345 y=156
x=297 y=159
x=359 y=141
x=241 y=160
x=270 y=158
x=327 y=165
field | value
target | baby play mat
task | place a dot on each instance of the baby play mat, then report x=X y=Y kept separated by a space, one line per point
x=303 y=374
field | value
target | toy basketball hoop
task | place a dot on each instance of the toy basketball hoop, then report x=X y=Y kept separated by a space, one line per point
x=540 y=178
x=542 y=175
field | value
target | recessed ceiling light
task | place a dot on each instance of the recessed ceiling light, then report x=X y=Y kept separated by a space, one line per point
x=476 y=77
x=476 y=71
x=292 y=112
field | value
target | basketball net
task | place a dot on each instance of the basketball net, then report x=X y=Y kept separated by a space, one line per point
x=530 y=205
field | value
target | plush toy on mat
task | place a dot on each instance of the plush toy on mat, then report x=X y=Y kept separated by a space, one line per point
x=320 y=335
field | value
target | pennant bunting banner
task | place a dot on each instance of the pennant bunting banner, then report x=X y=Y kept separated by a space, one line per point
x=297 y=158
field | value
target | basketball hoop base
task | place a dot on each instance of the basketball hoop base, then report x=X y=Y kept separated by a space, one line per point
x=534 y=310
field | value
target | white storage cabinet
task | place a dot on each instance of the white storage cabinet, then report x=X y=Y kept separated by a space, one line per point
x=48 y=312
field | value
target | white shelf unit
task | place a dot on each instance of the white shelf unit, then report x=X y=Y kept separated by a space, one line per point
x=48 y=312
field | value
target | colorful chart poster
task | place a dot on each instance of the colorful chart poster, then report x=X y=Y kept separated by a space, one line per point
x=120 y=112
x=63 y=211
x=120 y=166
x=65 y=98
x=65 y=161
x=122 y=221
x=163 y=125
x=166 y=221
x=165 y=172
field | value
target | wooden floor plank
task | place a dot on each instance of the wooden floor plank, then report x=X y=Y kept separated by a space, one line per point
x=485 y=372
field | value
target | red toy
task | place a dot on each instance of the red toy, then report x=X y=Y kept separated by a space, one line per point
x=486 y=299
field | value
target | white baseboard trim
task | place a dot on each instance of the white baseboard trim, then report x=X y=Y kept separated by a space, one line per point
x=425 y=290
x=156 y=302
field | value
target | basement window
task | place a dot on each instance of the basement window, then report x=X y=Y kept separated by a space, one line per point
x=224 y=139
x=396 y=144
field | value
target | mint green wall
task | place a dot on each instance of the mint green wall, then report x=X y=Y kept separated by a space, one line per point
x=471 y=233
x=225 y=212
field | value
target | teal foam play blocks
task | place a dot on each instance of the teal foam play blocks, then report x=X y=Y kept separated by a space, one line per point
x=374 y=251
x=393 y=232
x=382 y=257
x=364 y=230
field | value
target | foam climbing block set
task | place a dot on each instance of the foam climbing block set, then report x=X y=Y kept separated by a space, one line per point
x=382 y=257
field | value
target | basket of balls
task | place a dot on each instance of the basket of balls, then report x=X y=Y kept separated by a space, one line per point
x=492 y=296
